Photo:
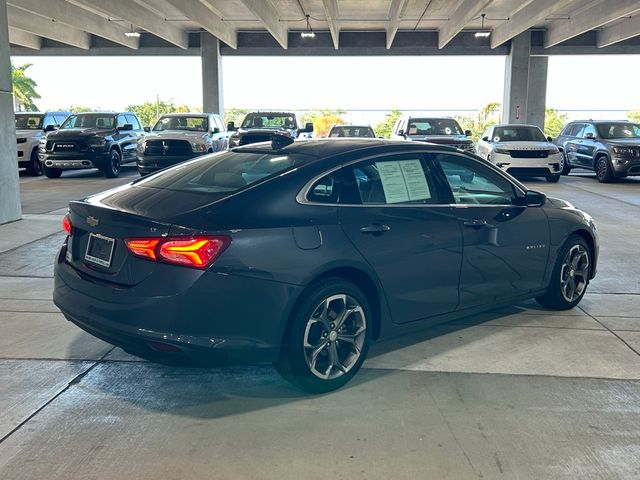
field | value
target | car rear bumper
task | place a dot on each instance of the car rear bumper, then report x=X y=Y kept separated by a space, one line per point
x=211 y=318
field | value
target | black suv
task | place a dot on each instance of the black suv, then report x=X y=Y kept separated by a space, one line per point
x=102 y=140
x=443 y=131
x=611 y=148
x=260 y=126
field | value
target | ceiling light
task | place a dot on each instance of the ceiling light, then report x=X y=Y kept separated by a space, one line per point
x=308 y=33
x=132 y=33
x=483 y=33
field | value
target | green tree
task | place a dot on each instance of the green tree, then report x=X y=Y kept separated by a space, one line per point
x=488 y=115
x=634 y=115
x=384 y=128
x=23 y=87
x=554 y=122
x=149 y=112
x=323 y=120
x=235 y=115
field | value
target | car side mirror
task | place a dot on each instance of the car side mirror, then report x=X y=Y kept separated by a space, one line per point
x=308 y=128
x=401 y=133
x=485 y=139
x=50 y=128
x=589 y=136
x=549 y=139
x=215 y=130
x=533 y=199
x=147 y=129
x=467 y=133
x=125 y=127
x=231 y=126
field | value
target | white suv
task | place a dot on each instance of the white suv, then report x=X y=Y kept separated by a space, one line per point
x=30 y=128
x=521 y=150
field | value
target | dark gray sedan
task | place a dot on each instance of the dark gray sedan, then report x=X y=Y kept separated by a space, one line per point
x=303 y=253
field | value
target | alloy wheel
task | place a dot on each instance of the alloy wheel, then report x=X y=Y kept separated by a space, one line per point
x=602 y=169
x=574 y=274
x=334 y=336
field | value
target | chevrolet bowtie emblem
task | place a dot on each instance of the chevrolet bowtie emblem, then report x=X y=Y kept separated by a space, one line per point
x=93 y=221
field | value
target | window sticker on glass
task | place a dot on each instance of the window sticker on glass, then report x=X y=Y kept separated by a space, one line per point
x=403 y=181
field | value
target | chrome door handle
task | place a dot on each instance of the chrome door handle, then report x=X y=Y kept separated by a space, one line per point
x=375 y=228
x=475 y=223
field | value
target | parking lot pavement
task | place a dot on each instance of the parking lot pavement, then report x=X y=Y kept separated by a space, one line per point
x=520 y=392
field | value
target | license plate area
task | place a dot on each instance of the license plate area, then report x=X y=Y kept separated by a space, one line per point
x=99 y=249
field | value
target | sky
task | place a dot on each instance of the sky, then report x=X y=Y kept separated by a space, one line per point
x=448 y=83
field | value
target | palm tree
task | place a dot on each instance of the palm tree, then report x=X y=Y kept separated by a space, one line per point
x=24 y=88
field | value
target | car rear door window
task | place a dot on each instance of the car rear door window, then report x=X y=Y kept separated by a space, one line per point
x=326 y=190
x=403 y=179
x=472 y=183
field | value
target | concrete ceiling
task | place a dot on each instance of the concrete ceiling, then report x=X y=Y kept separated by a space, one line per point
x=83 y=24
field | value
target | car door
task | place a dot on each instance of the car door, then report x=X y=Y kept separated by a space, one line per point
x=506 y=245
x=484 y=145
x=573 y=142
x=390 y=210
x=123 y=137
x=587 y=146
x=219 y=137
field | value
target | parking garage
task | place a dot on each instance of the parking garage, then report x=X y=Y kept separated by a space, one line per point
x=519 y=391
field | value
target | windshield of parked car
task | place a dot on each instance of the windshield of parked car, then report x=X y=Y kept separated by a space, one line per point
x=192 y=124
x=434 y=126
x=90 y=120
x=28 y=122
x=518 y=134
x=351 y=131
x=222 y=173
x=619 y=130
x=269 y=120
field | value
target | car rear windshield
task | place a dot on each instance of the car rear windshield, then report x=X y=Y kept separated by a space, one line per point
x=433 y=126
x=90 y=120
x=29 y=122
x=221 y=173
x=192 y=124
x=269 y=120
x=619 y=130
x=352 y=131
x=518 y=134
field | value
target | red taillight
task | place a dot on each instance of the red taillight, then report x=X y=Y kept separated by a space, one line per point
x=66 y=225
x=199 y=252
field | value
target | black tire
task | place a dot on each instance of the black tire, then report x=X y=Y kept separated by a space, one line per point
x=566 y=168
x=52 y=172
x=35 y=165
x=604 y=172
x=565 y=272
x=112 y=169
x=552 y=177
x=314 y=337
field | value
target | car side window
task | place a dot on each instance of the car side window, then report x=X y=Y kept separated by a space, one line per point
x=402 y=179
x=218 y=123
x=48 y=120
x=576 y=131
x=121 y=121
x=325 y=190
x=133 y=121
x=589 y=129
x=60 y=119
x=472 y=183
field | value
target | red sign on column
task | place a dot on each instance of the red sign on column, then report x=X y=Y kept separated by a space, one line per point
x=517 y=112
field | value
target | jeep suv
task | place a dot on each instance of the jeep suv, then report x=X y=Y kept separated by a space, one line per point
x=177 y=137
x=103 y=140
x=444 y=131
x=260 y=126
x=30 y=128
x=611 y=148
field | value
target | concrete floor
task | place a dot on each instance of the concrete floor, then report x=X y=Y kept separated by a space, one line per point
x=520 y=392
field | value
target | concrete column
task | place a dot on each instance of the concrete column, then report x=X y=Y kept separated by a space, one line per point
x=536 y=100
x=10 y=208
x=211 y=74
x=516 y=80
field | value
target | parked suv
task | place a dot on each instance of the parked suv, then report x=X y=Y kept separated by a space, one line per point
x=30 y=128
x=444 y=131
x=521 y=150
x=353 y=131
x=259 y=126
x=611 y=148
x=103 y=140
x=177 y=137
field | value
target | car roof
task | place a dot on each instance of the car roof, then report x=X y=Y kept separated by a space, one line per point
x=186 y=114
x=515 y=125
x=258 y=112
x=352 y=125
x=604 y=121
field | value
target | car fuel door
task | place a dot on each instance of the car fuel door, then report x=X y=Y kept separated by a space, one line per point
x=389 y=209
x=506 y=245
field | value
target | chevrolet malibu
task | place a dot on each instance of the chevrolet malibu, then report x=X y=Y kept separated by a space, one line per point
x=303 y=253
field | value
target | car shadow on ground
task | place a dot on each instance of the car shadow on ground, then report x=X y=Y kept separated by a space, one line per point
x=215 y=392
